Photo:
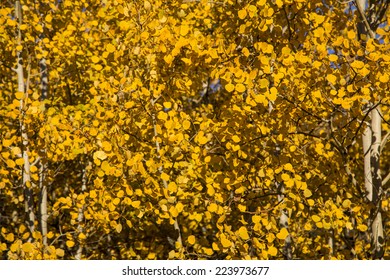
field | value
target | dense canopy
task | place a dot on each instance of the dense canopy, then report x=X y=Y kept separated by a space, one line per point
x=194 y=129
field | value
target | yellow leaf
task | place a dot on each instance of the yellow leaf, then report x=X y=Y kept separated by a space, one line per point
x=23 y=27
x=167 y=105
x=283 y=233
x=10 y=237
x=186 y=124
x=144 y=35
x=19 y=95
x=346 y=104
x=229 y=87
x=362 y=228
x=168 y=58
x=357 y=64
x=92 y=194
x=10 y=163
x=19 y=161
x=241 y=207
x=236 y=139
x=307 y=193
x=3 y=247
x=116 y=201
x=245 y=52
x=110 y=48
x=191 y=239
x=100 y=155
x=82 y=236
x=213 y=207
x=14 y=247
x=333 y=58
x=208 y=251
x=285 y=177
x=184 y=30
x=351 y=34
x=129 y=224
x=60 y=252
x=288 y=167
x=201 y=139
x=147 y=5
x=48 y=18
x=173 y=211
x=95 y=59
x=7 y=142
x=346 y=203
x=106 y=146
x=273 y=94
x=242 y=14
x=162 y=116
x=118 y=228
x=316 y=218
x=240 y=190
x=124 y=25
x=225 y=242
x=172 y=187
x=243 y=232
x=50 y=235
x=272 y=251
x=165 y=176
x=136 y=203
x=27 y=247
x=240 y=88
x=69 y=243
x=331 y=78
x=384 y=78
x=179 y=207
x=210 y=190
x=263 y=83
x=93 y=131
x=256 y=219
x=97 y=67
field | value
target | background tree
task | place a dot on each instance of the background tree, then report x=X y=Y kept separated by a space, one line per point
x=194 y=129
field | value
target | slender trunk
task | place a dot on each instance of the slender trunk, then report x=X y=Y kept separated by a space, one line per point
x=43 y=203
x=331 y=243
x=26 y=175
x=372 y=139
x=43 y=162
x=366 y=137
x=283 y=222
x=376 y=216
x=80 y=217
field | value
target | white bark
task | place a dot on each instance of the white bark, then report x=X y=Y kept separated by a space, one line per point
x=376 y=186
x=80 y=217
x=26 y=175
x=366 y=137
x=283 y=223
x=372 y=139
x=43 y=163
x=43 y=203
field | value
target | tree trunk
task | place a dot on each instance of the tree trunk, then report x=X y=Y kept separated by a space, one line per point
x=283 y=223
x=26 y=175
x=80 y=217
x=43 y=161
x=371 y=147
